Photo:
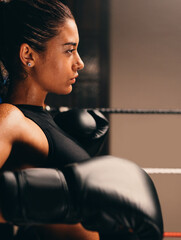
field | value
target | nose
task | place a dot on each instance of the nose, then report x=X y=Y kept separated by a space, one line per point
x=79 y=65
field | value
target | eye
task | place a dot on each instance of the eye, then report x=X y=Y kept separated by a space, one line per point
x=70 y=51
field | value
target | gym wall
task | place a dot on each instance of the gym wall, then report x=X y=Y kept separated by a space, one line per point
x=145 y=73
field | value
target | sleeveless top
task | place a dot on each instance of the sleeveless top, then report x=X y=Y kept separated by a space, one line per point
x=63 y=149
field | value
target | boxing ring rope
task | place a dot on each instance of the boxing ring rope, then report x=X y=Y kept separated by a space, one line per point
x=163 y=170
x=172 y=234
x=138 y=111
x=120 y=111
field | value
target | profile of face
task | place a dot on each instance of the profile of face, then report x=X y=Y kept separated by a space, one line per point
x=56 y=69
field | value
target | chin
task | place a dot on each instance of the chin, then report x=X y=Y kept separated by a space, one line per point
x=65 y=91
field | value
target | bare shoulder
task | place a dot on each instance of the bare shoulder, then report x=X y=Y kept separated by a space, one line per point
x=16 y=128
x=13 y=121
x=8 y=110
x=10 y=115
x=11 y=118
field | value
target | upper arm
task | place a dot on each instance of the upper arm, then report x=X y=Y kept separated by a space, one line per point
x=10 y=120
x=15 y=127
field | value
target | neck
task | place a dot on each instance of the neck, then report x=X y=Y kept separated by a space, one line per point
x=27 y=94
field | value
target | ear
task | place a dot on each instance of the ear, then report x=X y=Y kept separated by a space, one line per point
x=27 y=55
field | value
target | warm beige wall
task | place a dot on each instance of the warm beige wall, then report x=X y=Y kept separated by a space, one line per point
x=145 y=49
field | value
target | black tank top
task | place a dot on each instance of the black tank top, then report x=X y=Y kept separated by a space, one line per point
x=63 y=149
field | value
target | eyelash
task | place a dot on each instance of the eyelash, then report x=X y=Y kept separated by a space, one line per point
x=70 y=51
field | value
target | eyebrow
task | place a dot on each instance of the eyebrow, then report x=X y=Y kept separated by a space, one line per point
x=70 y=43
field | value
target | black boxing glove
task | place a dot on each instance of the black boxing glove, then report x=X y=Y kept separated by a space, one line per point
x=37 y=195
x=106 y=194
x=88 y=127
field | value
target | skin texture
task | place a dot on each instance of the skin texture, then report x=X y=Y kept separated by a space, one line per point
x=54 y=70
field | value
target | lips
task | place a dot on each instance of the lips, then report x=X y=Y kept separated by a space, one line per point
x=76 y=76
x=73 y=80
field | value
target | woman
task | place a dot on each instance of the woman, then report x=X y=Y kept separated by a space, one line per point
x=38 y=54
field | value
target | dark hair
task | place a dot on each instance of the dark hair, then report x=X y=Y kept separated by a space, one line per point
x=26 y=21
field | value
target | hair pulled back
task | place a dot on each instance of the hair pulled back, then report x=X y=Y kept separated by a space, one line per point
x=26 y=21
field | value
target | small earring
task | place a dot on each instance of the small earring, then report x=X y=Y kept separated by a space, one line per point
x=29 y=64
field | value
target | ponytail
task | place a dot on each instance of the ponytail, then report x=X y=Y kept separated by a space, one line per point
x=1 y=25
x=4 y=76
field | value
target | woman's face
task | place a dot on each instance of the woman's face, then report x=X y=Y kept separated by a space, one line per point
x=57 y=68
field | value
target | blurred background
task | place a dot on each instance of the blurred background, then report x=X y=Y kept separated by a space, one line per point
x=132 y=55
